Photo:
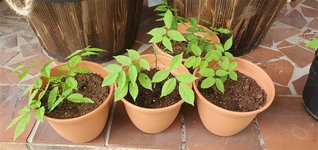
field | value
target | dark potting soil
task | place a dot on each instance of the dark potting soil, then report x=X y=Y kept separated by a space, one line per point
x=89 y=85
x=242 y=95
x=178 y=48
x=151 y=99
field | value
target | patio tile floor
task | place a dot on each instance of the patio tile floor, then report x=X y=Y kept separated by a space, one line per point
x=282 y=54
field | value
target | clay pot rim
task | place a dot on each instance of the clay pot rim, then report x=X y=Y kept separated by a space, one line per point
x=150 y=110
x=269 y=99
x=160 y=51
x=108 y=98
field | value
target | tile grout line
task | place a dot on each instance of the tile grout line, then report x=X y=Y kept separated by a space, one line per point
x=32 y=134
x=259 y=135
x=110 y=122
x=183 y=133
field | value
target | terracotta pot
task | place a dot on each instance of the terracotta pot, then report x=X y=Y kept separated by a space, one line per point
x=87 y=127
x=155 y=120
x=224 y=122
x=183 y=29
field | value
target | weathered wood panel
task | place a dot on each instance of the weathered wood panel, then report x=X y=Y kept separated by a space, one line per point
x=249 y=20
x=64 y=27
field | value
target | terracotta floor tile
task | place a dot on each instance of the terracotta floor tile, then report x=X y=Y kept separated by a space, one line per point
x=286 y=125
x=6 y=55
x=299 y=84
x=278 y=34
x=136 y=46
x=45 y=134
x=125 y=134
x=65 y=147
x=148 y=50
x=9 y=41
x=30 y=61
x=261 y=54
x=298 y=55
x=281 y=90
x=7 y=77
x=30 y=49
x=28 y=38
x=284 y=44
x=313 y=24
x=308 y=12
x=294 y=3
x=294 y=19
x=13 y=146
x=10 y=103
x=311 y=3
x=280 y=71
x=198 y=137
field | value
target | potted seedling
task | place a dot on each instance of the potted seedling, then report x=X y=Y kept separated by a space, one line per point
x=230 y=91
x=178 y=35
x=69 y=97
x=310 y=95
x=152 y=88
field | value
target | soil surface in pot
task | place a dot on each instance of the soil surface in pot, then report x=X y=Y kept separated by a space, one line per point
x=89 y=85
x=242 y=95
x=151 y=99
x=178 y=48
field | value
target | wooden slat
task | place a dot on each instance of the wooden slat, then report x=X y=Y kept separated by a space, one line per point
x=64 y=27
x=249 y=20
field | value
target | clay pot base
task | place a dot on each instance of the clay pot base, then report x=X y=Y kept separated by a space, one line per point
x=151 y=99
x=243 y=95
x=89 y=85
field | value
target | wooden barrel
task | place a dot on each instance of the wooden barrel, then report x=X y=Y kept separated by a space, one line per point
x=63 y=27
x=249 y=20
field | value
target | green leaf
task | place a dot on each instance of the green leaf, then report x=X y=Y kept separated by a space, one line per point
x=176 y=61
x=74 y=61
x=18 y=68
x=64 y=68
x=160 y=75
x=121 y=79
x=207 y=82
x=157 y=32
x=35 y=104
x=21 y=125
x=23 y=74
x=167 y=43
x=27 y=90
x=233 y=75
x=133 y=90
x=124 y=60
x=80 y=70
x=74 y=53
x=32 y=96
x=144 y=64
x=121 y=92
x=71 y=82
x=221 y=73
x=37 y=83
x=189 y=62
x=45 y=71
x=93 y=49
x=228 y=55
x=145 y=81
x=197 y=62
x=186 y=77
x=18 y=118
x=109 y=79
x=313 y=43
x=79 y=98
x=219 y=85
x=211 y=56
x=88 y=54
x=39 y=113
x=132 y=73
x=133 y=54
x=52 y=97
x=42 y=93
x=226 y=63
x=233 y=65
x=219 y=47
x=196 y=50
x=186 y=93
x=228 y=43
x=57 y=102
x=168 y=87
x=161 y=8
x=155 y=39
x=168 y=18
x=176 y=35
x=207 y=72
x=113 y=68
x=24 y=110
